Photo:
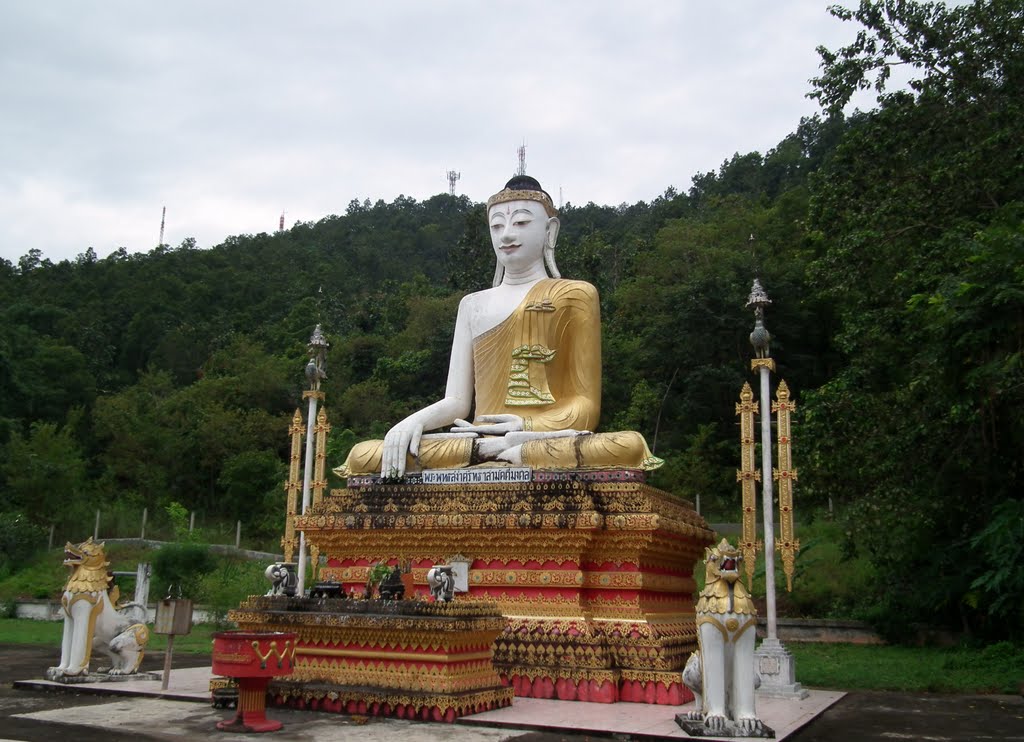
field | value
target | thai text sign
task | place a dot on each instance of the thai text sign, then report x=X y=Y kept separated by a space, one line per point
x=477 y=476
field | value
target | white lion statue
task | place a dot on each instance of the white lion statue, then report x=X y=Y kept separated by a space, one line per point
x=92 y=622
x=721 y=675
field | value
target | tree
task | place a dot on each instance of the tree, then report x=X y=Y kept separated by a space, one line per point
x=45 y=476
x=916 y=223
x=962 y=54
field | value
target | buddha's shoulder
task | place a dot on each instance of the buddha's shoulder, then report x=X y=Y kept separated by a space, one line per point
x=478 y=297
x=572 y=289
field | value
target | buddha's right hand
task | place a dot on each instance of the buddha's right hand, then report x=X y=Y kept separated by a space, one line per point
x=490 y=425
x=402 y=439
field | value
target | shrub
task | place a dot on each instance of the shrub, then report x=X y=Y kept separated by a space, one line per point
x=20 y=541
x=181 y=567
x=228 y=585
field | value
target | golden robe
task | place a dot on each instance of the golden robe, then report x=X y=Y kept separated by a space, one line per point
x=543 y=363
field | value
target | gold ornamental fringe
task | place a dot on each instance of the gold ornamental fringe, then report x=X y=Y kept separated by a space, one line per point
x=785 y=475
x=292 y=487
x=747 y=475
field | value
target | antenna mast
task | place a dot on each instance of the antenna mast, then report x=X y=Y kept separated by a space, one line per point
x=163 y=218
x=522 y=158
x=280 y=223
x=453 y=178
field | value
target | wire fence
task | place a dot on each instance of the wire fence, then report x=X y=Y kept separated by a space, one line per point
x=118 y=523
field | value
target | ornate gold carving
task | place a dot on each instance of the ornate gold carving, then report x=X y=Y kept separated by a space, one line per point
x=544 y=305
x=463 y=703
x=785 y=474
x=748 y=474
x=648 y=676
x=319 y=483
x=576 y=675
x=723 y=592
x=589 y=574
x=280 y=655
x=508 y=194
x=289 y=543
x=768 y=363
x=521 y=392
x=427 y=655
x=728 y=629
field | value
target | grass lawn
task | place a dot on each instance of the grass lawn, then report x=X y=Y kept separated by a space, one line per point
x=997 y=668
x=27 y=631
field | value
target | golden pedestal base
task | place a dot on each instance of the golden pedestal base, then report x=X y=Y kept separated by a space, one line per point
x=411 y=659
x=592 y=571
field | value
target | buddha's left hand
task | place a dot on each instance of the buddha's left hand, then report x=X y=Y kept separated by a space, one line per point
x=491 y=425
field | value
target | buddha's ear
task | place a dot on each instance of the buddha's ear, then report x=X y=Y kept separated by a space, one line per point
x=552 y=232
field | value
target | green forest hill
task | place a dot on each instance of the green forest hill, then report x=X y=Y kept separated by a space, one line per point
x=891 y=243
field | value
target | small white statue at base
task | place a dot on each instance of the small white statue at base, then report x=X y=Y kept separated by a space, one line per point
x=442 y=582
x=92 y=622
x=284 y=580
x=721 y=675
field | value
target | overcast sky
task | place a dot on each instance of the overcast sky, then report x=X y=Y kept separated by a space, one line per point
x=230 y=113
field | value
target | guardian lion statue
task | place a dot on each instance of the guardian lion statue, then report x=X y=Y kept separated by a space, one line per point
x=92 y=622
x=721 y=674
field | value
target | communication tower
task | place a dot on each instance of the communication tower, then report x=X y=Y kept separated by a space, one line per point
x=453 y=178
x=522 y=159
x=163 y=218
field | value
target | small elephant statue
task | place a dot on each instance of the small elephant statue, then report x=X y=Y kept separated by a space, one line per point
x=441 y=580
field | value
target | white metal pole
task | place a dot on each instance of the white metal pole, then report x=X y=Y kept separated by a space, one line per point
x=767 y=492
x=300 y=588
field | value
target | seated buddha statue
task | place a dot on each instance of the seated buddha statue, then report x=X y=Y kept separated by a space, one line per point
x=526 y=359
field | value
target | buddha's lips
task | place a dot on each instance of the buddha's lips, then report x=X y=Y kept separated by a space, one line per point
x=508 y=248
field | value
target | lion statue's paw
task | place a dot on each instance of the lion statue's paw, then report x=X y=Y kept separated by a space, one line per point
x=751 y=726
x=715 y=723
x=56 y=673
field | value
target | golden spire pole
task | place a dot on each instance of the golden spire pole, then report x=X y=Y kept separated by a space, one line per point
x=785 y=475
x=292 y=487
x=319 y=482
x=748 y=474
x=774 y=663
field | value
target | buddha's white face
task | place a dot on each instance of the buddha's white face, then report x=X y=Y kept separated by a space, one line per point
x=519 y=232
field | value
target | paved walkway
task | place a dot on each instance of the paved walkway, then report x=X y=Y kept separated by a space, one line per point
x=36 y=715
x=144 y=706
